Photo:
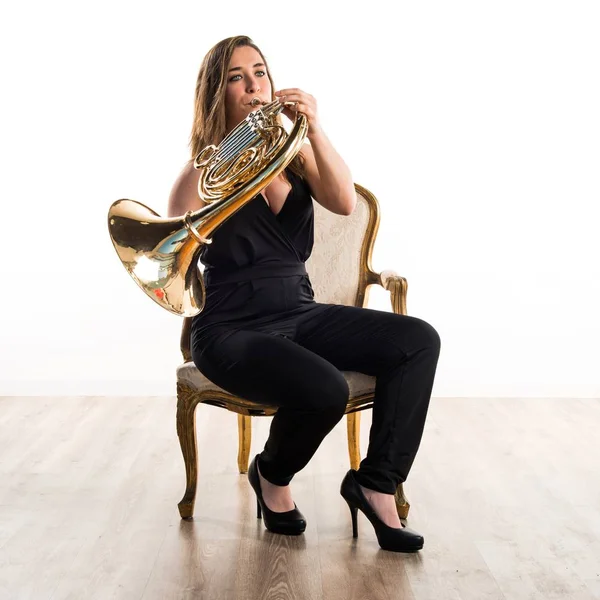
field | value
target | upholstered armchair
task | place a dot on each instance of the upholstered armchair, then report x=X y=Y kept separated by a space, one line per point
x=340 y=272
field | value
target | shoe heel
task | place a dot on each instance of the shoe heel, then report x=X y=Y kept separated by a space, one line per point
x=258 y=510
x=354 y=514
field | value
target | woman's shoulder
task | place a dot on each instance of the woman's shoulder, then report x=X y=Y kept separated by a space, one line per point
x=298 y=177
x=188 y=173
x=184 y=193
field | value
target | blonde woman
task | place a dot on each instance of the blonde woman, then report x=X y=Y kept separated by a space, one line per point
x=262 y=335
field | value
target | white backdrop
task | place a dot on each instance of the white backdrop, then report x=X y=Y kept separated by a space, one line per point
x=476 y=124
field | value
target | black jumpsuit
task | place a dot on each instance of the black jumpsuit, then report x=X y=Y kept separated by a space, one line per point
x=263 y=337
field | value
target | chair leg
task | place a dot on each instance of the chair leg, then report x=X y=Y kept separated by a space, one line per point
x=353 y=422
x=402 y=504
x=186 y=431
x=245 y=435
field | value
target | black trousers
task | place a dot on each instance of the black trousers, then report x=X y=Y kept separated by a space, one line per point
x=294 y=362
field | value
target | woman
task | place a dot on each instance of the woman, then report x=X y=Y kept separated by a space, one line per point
x=263 y=337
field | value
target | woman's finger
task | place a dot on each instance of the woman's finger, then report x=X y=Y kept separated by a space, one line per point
x=288 y=91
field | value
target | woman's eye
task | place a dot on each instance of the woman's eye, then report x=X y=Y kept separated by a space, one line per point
x=258 y=73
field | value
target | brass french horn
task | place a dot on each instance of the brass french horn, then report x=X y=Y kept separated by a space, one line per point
x=161 y=254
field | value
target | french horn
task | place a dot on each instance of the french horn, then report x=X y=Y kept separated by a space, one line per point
x=161 y=254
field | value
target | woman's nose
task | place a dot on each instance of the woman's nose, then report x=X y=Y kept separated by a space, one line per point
x=252 y=86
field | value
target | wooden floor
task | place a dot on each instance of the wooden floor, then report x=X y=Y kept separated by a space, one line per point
x=506 y=493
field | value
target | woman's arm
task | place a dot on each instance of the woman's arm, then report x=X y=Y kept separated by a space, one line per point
x=327 y=174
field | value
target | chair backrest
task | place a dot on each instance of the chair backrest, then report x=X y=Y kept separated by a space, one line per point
x=340 y=264
x=341 y=258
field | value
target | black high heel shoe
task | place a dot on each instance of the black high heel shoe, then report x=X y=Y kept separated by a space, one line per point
x=291 y=522
x=389 y=538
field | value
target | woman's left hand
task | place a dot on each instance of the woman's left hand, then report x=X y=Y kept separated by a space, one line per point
x=304 y=103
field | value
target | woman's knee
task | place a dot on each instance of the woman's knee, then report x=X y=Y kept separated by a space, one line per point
x=326 y=392
x=411 y=334
x=429 y=338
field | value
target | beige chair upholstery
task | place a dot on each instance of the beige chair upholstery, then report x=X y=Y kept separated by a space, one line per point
x=340 y=272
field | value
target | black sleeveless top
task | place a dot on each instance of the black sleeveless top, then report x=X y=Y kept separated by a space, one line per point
x=251 y=252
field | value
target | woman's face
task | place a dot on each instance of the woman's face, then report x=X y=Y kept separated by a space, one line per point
x=246 y=79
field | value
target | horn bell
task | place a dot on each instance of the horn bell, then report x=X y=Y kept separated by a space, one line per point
x=159 y=255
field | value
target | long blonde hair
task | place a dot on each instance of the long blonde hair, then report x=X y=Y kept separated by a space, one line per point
x=210 y=125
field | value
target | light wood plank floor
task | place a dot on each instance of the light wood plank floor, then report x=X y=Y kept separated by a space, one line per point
x=506 y=493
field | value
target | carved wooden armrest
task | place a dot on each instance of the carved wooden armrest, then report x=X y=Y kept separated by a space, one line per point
x=397 y=287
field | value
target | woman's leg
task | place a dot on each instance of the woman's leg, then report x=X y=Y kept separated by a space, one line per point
x=402 y=353
x=270 y=369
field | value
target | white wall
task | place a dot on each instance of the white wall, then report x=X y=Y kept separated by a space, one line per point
x=476 y=124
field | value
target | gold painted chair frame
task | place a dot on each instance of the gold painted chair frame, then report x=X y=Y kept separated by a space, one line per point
x=189 y=398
